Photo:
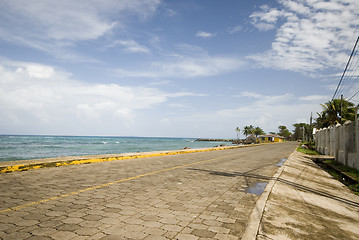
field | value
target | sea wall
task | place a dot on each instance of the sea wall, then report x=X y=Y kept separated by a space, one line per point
x=340 y=141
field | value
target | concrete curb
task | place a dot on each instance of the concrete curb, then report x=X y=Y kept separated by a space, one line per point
x=57 y=162
x=258 y=210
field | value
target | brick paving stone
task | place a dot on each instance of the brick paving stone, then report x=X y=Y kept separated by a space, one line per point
x=203 y=233
x=80 y=238
x=34 y=216
x=26 y=223
x=114 y=237
x=212 y=223
x=68 y=227
x=62 y=235
x=197 y=226
x=86 y=231
x=170 y=234
x=89 y=224
x=92 y=217
x=54 y=213
x=169 y=221
x=183 y=236
x=39 y=238
x=72 y=220
x=221 y=236
x=17 y=235
x=133 y=221
x=155 y=237
x=114 y=229
x=150 y=218
x=96 y=236
x=170 y=227
x=109 y=220
x=226 y=220
x=5 y=226
x=154 y=231
x=219 y=230
x=152 y=224
x=43 y=231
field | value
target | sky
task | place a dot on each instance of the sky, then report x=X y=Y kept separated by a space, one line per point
x=169 y=68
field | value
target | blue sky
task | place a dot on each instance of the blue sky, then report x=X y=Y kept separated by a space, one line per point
x=170 y=68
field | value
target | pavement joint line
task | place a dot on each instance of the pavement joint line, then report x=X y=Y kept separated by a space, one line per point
x=25 y=167
x=108 y=184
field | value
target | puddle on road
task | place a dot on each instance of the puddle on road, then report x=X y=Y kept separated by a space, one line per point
x=256 y=188
x=280 y=163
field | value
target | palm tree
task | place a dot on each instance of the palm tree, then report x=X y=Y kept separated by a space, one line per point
x=258 y=131
x=248 y=130
x=238 y=130
x=332 y=114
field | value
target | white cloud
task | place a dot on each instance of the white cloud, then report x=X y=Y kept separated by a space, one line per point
x=204 y=34
x=32 y=96
x=317 y=98
x=312 y=36
x=186 y=67
x=270 y=111
x=131 y=46
x=235 y=29
x=52 y=26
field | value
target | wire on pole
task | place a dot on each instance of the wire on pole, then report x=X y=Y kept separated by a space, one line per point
x=346 y=67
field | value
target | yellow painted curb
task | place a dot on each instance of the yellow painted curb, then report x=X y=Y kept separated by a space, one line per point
x=25 y=167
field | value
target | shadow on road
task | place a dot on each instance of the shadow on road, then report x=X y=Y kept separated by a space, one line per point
x=293 y=184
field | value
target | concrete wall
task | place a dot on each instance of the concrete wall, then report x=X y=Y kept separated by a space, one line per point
x=340 y=141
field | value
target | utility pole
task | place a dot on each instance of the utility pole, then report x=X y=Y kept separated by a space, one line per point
x=311 y=128
x=303 y=134
x=341 y=108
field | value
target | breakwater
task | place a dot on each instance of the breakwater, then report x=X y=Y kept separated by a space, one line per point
x=213 y=140
x=233 y=141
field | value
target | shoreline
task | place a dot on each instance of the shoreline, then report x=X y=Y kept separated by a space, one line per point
x=24 y=165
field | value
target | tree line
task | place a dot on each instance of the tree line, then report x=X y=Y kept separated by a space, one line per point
x=334 y=112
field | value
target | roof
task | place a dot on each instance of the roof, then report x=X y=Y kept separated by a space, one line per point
x=271 y=135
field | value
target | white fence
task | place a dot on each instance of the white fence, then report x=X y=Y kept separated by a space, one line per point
x=340 y=141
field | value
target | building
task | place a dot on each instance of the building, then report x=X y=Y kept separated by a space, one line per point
x=270 y=138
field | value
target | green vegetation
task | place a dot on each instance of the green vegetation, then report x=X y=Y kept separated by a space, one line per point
x=248 y=130
x=335 y=111
x=346 y=170
x=302 y=131
x=284 y=132
x=307 y=151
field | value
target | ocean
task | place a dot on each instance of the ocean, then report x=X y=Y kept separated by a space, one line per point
x=16 y=147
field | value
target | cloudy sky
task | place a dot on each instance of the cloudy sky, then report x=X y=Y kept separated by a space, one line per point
x=170 y=68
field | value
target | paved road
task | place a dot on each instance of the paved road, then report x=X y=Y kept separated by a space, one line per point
x=189 y=196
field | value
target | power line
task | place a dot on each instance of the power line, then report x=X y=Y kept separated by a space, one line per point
x=346 y=67
x=353 y=96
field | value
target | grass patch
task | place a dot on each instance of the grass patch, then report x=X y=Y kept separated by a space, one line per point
x=307 y=151
x=352 y=172
x=348 y=170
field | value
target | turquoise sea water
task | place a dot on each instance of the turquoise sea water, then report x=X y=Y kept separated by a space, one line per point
x=32 y=147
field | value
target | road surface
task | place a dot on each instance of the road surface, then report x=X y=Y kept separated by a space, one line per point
x=205 y=195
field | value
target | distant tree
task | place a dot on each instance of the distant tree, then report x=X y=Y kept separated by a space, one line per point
x=248 y=130
x=331 y=113
x=272 y=133
x=298 y=131
x=258 y=131
x=284 y=132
